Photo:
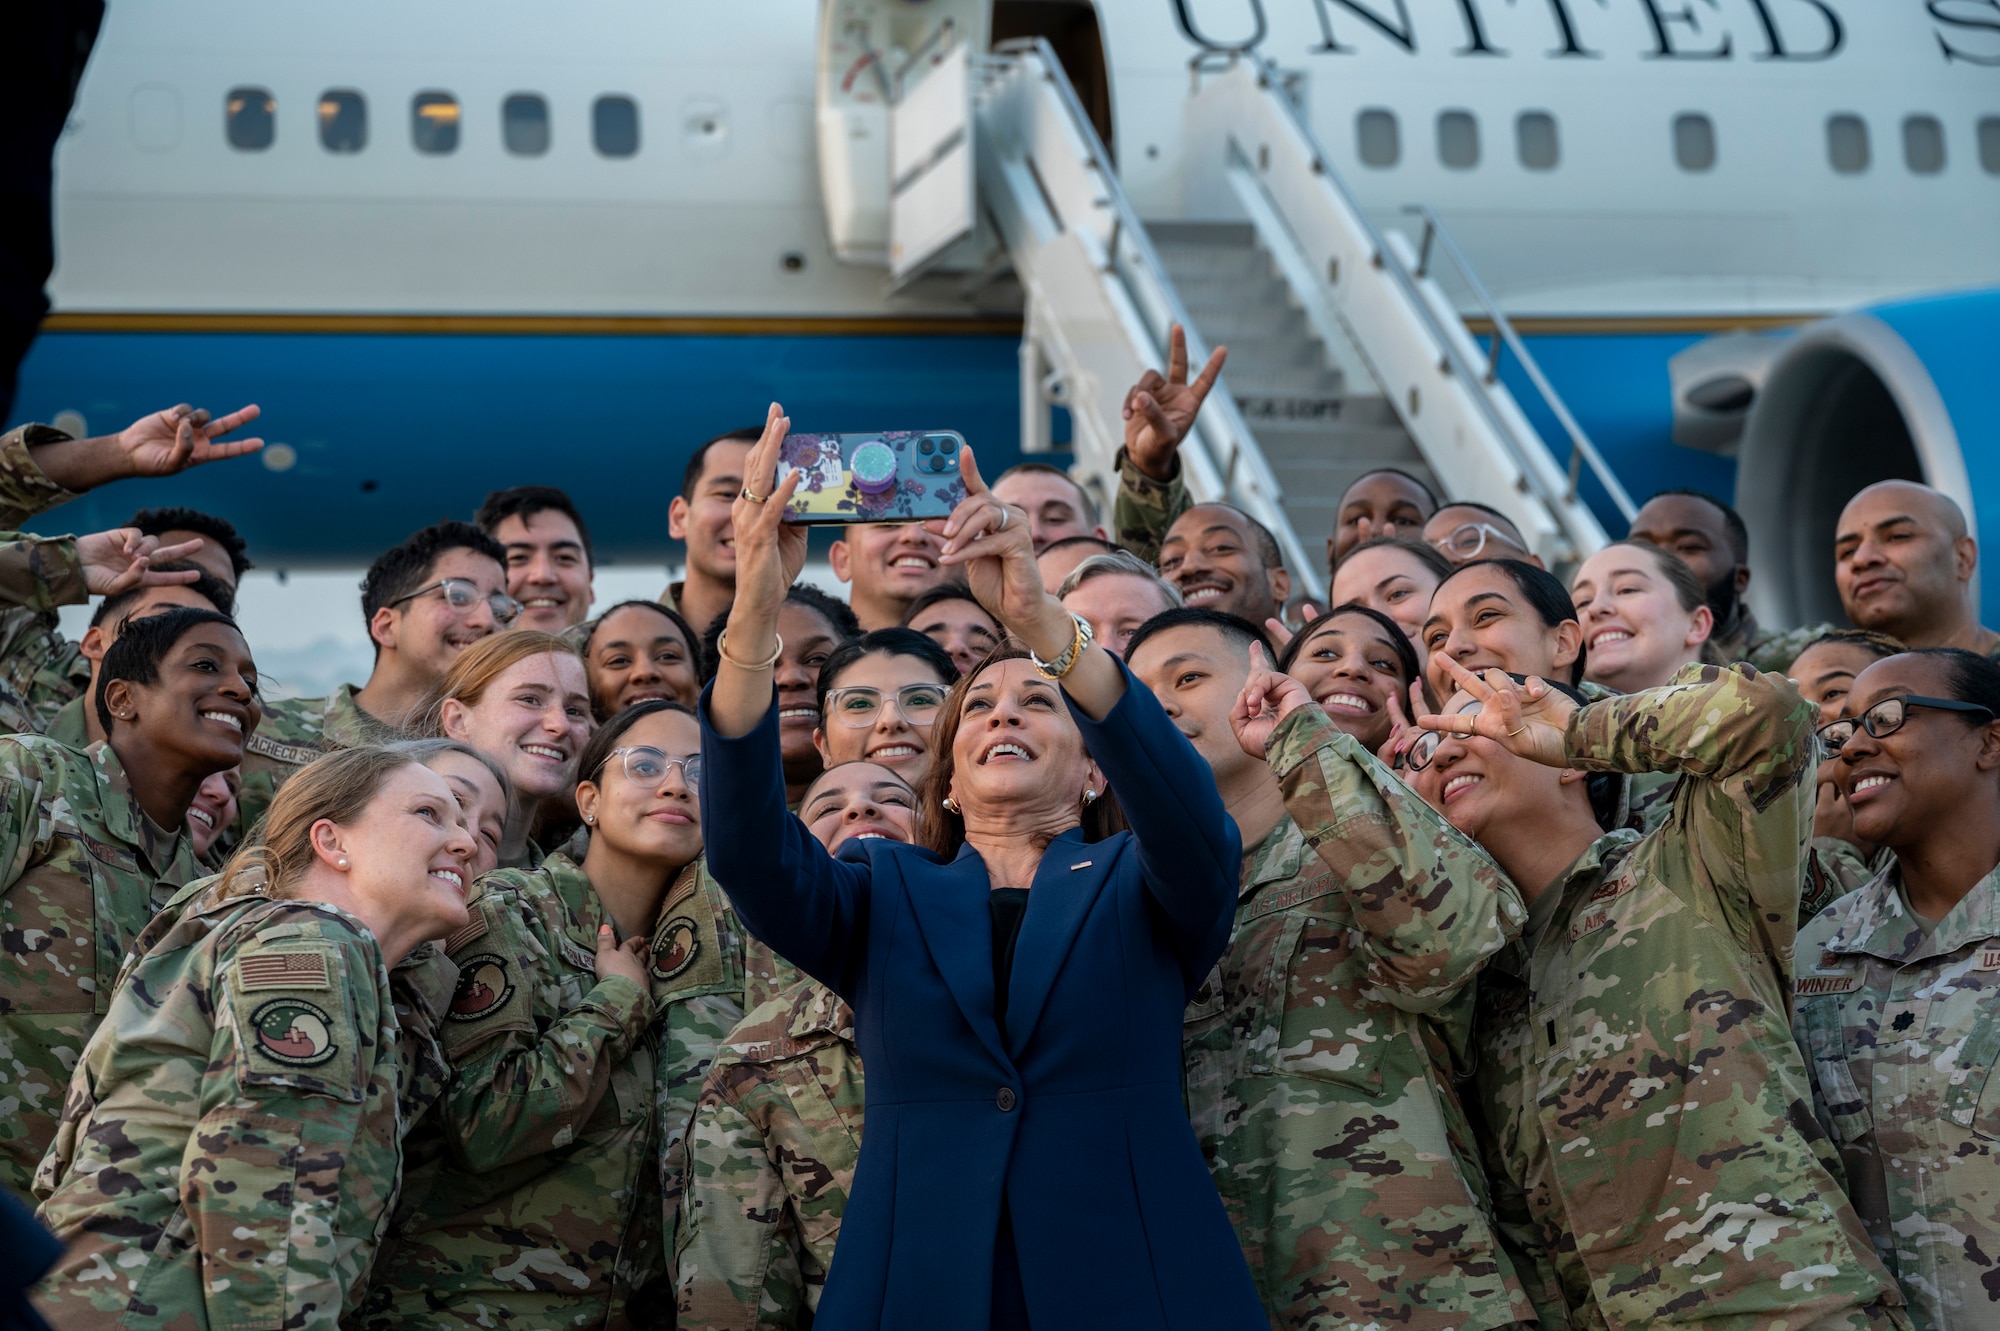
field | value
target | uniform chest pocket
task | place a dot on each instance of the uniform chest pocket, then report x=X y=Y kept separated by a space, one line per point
x=1972 y=1092
x=1313 y=1024
x=1826 y=1045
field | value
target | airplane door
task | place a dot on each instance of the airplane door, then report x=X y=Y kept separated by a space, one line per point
x=931 y=184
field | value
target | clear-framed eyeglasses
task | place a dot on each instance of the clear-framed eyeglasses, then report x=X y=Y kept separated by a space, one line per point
x=462 y=595
x=1469 y=541
x=1418 y=756
x=860 y=705
x=1887 y=717
x=647 y=767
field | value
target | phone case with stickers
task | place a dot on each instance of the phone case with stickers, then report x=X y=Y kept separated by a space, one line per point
x=892 y=476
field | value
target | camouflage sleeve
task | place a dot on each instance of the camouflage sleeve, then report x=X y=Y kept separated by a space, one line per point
x=1746 y=739
x=1145 y=508
x=529 y=1073
x=33 y=660
x=40 y=573
x=737 y=1248
x=1429 y=907
x=27 y=789
x=25 y=490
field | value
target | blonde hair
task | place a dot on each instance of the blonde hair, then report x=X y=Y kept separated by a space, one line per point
x=476 y=669
x=337 y=787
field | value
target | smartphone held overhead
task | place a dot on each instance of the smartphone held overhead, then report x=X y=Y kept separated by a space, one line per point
x=891 y=476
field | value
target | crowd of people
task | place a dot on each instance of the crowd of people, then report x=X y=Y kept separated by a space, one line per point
x=1070 y=927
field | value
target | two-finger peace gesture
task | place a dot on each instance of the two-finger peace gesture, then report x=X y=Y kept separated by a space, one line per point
x=1267 y=698
x=168 y=442
x=1531 y=719
x=1160 y=409
x=770 y=552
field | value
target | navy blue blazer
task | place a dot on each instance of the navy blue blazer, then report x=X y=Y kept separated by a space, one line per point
x=1077 y=1117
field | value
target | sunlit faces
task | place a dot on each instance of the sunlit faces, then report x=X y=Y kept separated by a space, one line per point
x=1382 y=503
x=1479 y=786
x=1393 y=581
x=427 y=630
x=1017 y=748
x=638 y=654
x=1825 y=672
x=1483 y=620
x=1197 y=673
x=482 y=804
x=201 y=705
x=961 y=627
x=889 y=565
x=856 y=801
x=655 y=820
x=1899 y=560
x=214 y=808
x=1116 y=604
x=1351 y=669
x=881 y=709
x=1905 y=784
x=533 y=720
x=1212 y=554
x=547 y=569
x=1054 y=504
x=409 y=855
x=1634 y=626
x=809 y=640
x=703 y=522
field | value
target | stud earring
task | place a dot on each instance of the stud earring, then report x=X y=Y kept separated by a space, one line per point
x=341 y=862
x=1089 y=797
x=950 y=805
x=590 y=817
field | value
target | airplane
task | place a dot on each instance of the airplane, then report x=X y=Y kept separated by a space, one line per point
x=1749 y=244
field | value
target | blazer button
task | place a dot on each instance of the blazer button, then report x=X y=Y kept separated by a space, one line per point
x=1005 y=1100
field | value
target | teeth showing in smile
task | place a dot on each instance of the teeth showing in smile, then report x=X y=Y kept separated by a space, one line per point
x=554 y=755
x=1609 y=635
x=910 y=561
x=449 y=876
x=866 y=836
x=1870 y=783
x=1202 y=595
x=1347 y=702
x=1458 y=783
x=896 y=751
x=1004 y=749
x=798 y=713
x=233 y=722
x=207 y=818
x=540 y=603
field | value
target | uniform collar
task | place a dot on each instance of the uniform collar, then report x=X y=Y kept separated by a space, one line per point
x=1275 y=859
x=346 y=726
x=1881 y=924
x=1588 y=869
x=125 y=820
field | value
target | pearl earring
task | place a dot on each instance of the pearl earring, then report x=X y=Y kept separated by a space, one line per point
x=1090 y=797
x=590 y=817
x=341 y=862
x=949 y=804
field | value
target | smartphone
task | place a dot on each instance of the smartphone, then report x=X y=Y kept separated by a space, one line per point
x=891 y=476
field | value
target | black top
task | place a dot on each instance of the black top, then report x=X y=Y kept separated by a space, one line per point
x=1009 y=906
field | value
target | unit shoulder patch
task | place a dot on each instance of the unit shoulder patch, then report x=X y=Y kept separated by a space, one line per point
x=485 y=983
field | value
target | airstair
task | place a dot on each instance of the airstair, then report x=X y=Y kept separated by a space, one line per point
x=1345 y=352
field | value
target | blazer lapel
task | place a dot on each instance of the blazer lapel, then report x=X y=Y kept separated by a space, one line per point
x=1071 y=875
x=949 y=901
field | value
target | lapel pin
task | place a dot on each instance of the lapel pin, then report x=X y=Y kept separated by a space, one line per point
x=1085 y=865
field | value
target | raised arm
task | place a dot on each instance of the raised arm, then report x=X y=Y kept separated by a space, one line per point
x=1159 y=411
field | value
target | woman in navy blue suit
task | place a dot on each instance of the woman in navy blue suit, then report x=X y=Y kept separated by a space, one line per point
x=1018 y=986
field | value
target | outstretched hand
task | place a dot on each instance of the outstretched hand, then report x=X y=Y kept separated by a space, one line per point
x=169 y=442
x=123 y=558
x=1267 y=698
x=1160 y=410
x=992 y=542
x=1530 y=720
x=770 y=552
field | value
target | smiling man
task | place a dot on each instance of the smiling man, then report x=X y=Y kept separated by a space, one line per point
x=1223 y=559
x=549 y=561
x=887 y=566
x=1904 y=565
x=699 y=517
x=1057 y=507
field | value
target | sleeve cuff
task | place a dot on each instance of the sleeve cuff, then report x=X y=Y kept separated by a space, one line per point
x=1139 y=483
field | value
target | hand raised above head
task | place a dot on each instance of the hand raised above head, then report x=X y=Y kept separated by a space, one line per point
x=993 y=543
x=123 y=558
x=1160 y=409
x=169 y=442
x=1530 y=720
x=770 y=552
x=1267 y=698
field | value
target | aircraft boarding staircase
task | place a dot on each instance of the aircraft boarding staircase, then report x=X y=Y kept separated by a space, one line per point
x=1345 y=353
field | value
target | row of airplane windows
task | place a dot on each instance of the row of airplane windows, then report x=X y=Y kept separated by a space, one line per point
x=252 y=126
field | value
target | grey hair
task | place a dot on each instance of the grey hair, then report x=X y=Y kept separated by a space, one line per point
x=1119 y=561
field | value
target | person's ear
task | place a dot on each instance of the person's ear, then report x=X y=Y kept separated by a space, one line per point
x=1569 y=776
x=451 y=718
x=326 y=837
x=677 y=518
x=96 y=642
x=1569 y=643
x=1536 y=560
x=1965 y=552
x=122 y=698
x=839 y=558
x=819 y=742
x=588 y=798
x=1742 y=579
x=1094 y=780
x=1280 y=580
x=1700 y=625
x=383 y=627
x=1989 y=748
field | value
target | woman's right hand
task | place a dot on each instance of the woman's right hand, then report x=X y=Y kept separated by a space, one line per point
x=1404 y=729
x=1267 y=698
x=615 y=958
x=770 y=552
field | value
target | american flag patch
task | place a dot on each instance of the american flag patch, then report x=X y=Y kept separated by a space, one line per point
x=475 y=928
x=283 y=970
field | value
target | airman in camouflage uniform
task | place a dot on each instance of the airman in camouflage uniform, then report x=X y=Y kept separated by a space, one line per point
x=771 y=1158
x=1771 y=652
x=230 y=1152
x=25 y=489
x=1145 y=508
x=541 y=1204
x=40 y=670
x=1636 y=1061
x=1319 y=1056
x=1901 y=1023
x=84 y=869
x=295 y=731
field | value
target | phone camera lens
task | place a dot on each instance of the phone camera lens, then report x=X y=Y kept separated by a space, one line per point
x=927 y=446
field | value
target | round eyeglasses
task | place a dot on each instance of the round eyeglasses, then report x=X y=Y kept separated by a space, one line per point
x=1418 y=756
x=1469 y=541
x=646 y=766
x=461 y=595
x=1887 y=717
x=859 y=706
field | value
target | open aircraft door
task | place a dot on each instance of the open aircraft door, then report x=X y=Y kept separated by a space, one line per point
x=933 y=194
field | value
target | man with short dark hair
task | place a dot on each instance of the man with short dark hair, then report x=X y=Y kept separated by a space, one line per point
x=222 y=552
x=1321 y=1033
x=700 y=517
x=425 y=601
x=1057 y=507
x=887 y=565
x=1711 y=538
x=1062 y=558
x=1223 y=559
x=1385 y=502
x=1465 y=531
x=549 y=559
x=1904 y=563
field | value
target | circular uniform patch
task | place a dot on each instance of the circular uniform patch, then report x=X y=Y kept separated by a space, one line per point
x=483 y=988
x=677 y=948
x=294 y=1032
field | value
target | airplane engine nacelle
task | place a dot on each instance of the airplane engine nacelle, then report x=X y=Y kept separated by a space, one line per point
x=1906 y=391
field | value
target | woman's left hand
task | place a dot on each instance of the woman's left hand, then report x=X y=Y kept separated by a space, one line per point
x=993 y=544
x=1267 y=698
x=1529 y=720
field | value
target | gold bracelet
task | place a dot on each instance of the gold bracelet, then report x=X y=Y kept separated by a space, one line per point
x=722 y=651
x=1062 y=665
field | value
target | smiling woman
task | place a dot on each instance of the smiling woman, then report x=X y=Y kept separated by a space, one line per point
x=878 y=698
x=1643 y=615
x=1358 y=665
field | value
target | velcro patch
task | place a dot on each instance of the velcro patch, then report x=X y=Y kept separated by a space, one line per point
x=485 y=983
x=1589 y=923
x=472 y=928
x=675 y=947
x=298 y=755
x=295 y=1033
x=1988 y=959
x=576 y=954
x=284 y=970
x=1813 y=986
x=1617 y=887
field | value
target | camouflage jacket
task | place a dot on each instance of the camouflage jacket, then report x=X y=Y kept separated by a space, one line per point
x=1772 y=651
x=230 y=1151
x=1319 y=1054
x=295 y=731
x=1835 y=869
x=535 y=1197
x=40 y=670
x=1145 y=508
x=771 y=1157
x=1902 y=1027
x=25 y=489
x=84 y=869
x=1636 y=1056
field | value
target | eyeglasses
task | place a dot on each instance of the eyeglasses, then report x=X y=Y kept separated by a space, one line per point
x=647 y=767
x=462 y=595
x=859 y=706
x=1468 y=541
x=1887 y=717
x=1418 y=756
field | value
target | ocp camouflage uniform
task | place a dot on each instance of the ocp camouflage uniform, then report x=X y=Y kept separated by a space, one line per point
x=771 y=1158
x=83 y=869
x=1901 y=1022
x=295 y=731
x=1145 y=508
x=1319 y=1054
x=231 y=1150
x=1772 y=652
x=536 y=1198
x=40 y=670
x=1636 y=1063
x=1835 y=868
x=25 y=489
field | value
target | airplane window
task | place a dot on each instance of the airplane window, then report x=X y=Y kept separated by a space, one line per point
x=614 y=126
x=1847 y=144
x=1535 y=138
x=251 y=118
x=1989 y=145
x=1694 y=142
x=434 y=122
x=524 y=124
x=343 y=121
x=1376 y=138
x=1923 y=145
x=1458 y=140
